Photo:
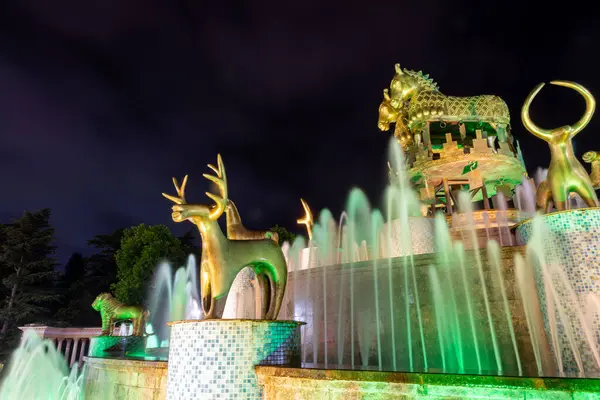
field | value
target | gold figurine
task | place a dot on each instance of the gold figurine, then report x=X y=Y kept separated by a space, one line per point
x=112 y=310
x=237 y=231
x=592 y=157
x=415 y=97
x=223 y=258
x=565 y=173
x=307 y=219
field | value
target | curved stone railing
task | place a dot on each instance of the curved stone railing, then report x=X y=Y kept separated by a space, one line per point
x=74 y=343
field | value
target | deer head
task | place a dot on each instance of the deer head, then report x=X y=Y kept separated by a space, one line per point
x=199 y=212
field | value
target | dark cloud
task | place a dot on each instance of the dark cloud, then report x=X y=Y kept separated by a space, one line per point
x=101 y=103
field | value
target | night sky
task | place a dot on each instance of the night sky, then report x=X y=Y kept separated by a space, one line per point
x=101 y=102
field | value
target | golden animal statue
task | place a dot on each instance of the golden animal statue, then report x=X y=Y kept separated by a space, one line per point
x=592 y=157
x=237 y=231
x=565 y=174
x=112 y=310
x=222 y=258
x=417 y=97
x=307 y=220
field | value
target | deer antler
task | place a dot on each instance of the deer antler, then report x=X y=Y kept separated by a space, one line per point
x=180 y=191
x=221 y=181
x=307 y=220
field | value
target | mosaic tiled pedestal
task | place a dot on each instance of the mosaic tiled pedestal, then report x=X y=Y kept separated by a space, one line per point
x=216 y=358
x=569 y=241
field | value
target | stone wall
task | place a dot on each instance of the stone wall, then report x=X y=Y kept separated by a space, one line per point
x=309 y=384
x=119 y=379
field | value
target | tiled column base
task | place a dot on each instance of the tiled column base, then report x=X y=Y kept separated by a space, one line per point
x=572 y=242
x=215 y=358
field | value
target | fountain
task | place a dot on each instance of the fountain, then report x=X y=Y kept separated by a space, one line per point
x=455 y=287
x=37 y=370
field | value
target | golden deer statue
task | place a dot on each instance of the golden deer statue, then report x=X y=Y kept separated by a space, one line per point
x=237 y=231
x=565 y=173
x=223 y=258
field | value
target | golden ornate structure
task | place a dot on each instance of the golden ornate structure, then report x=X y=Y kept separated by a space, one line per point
x=307 y=220
x=111 y=310
x=450 y=143
x=592 y=157
x=223 y=258
x=237 y=231
x=565 y=173
x=416 y=97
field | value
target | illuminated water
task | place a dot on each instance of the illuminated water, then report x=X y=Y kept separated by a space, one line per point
x=38 y=371
x=173 y=296
x=454 y=311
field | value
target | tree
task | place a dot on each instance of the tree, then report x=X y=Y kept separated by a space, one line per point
x=78 y=294
x=284 y=234
x=74 y=269
x=142 y=249
x=188 y=244
x=101 y=267
x=26 y=255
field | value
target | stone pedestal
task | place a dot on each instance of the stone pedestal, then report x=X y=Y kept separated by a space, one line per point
x=216 y=358
x=570 y=243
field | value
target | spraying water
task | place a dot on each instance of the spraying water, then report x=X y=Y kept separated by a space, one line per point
x=388 y=301
x=173 y=296
x=38 y=371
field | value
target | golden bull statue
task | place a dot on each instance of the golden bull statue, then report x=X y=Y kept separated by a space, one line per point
x=565 y=174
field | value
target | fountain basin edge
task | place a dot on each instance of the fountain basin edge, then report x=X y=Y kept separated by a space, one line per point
x=308 y=383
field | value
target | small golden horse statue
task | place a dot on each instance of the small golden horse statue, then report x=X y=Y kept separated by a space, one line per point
x=112 y=310
x=223 y=258
x=565 y=173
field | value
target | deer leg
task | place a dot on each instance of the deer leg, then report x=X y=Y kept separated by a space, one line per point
x=219 y=307
x=207 y=302
x=265 y=293
x=277 y=282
